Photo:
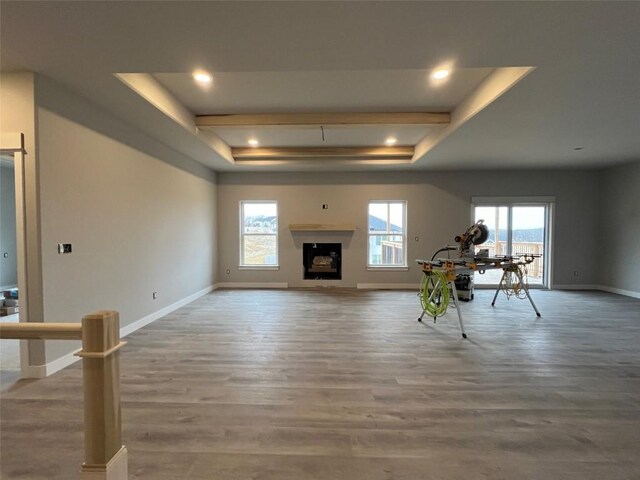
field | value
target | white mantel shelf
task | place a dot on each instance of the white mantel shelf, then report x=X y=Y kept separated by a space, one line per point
x=322 y=227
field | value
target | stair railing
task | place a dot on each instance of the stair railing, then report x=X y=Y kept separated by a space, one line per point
x=105 y=458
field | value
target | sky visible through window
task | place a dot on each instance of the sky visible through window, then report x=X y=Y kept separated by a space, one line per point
x=260 y=217
x=394 y=214
x=528 y=217
x=523 y=217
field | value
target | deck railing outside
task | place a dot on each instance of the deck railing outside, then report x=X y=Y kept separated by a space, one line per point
x=535 y=269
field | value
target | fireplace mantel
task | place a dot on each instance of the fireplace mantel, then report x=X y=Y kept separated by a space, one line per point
x=322 y=227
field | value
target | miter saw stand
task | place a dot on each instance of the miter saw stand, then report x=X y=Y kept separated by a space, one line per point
x=444 y=271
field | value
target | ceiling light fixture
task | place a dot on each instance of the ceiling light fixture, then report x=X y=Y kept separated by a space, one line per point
x=391 y=141
x=202 y=77
x=578 y=148
x=440 y=73
x=253 y=142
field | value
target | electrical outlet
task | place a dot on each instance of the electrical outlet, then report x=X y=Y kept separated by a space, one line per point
x=575 y=273
x=228 y=271
x=155 y=295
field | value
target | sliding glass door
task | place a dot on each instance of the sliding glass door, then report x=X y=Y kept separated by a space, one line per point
x=516 y=228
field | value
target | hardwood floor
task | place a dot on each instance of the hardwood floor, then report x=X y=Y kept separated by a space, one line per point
x=345 y=384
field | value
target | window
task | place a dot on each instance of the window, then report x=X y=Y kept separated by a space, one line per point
x=258 y=234
x=516 y=226
x=387 y=234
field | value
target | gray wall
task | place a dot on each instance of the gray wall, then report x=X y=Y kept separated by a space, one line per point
x=438 y=207
x=620 y=228
x=141 y=218
x=9 y=265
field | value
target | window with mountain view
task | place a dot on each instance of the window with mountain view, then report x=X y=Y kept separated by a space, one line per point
x=515 y=229
x=387 y=234
x=258 y=233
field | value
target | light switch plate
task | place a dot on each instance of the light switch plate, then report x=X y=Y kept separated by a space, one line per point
x=64 y=248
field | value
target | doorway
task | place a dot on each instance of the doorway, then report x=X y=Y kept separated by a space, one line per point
x=15 y=354
x=516 y=228
x=9 y=293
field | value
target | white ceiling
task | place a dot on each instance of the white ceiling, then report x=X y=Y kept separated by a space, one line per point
x=584 y=91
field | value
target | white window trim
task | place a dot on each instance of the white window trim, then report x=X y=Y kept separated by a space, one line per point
x=389 y=268
x=245 y=266
x=520 y=201
x=259 y=267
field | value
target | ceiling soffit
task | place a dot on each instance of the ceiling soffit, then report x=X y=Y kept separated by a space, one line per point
x=401 y=126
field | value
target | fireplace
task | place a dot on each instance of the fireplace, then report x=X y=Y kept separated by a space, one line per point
x=322 y=261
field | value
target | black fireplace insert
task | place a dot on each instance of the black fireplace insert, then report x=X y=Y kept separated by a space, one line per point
x=322 y=261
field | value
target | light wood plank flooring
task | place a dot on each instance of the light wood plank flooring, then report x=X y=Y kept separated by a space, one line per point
x=344 y=384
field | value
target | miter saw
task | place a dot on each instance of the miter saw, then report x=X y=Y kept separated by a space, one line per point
x=476 y=234
x=439 y=274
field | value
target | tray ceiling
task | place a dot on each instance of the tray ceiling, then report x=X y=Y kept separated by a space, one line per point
x=287 y=57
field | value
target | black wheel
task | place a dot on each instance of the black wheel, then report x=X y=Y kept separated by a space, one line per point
x=538 y=314
x=420 y=320
x=464 y=335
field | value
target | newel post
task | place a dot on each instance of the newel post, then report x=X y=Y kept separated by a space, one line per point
x=105 y=458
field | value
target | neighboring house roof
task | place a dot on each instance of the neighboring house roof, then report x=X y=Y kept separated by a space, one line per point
x=378 y=224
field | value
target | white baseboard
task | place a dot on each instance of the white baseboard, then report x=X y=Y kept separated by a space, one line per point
x=138 y=324
x=604 y=288
x=252 y=285
x=619 y=291
x=42 y=371
x=33 y=371
x=575 y=287
x=389 y=286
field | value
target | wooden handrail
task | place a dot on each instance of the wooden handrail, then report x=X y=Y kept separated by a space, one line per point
x=105 y=458
x=41 y=331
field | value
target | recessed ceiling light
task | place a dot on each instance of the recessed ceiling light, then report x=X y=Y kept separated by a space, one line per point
x=391 y=141
x=253 y=142
x=579 y=148
x=440 y=73
x=202 y=77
